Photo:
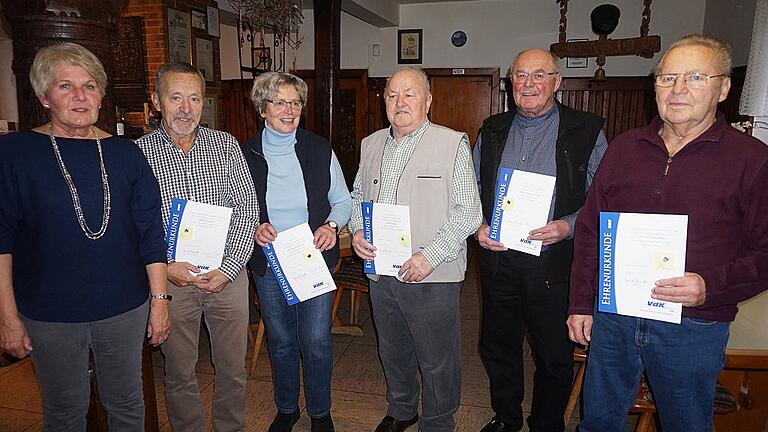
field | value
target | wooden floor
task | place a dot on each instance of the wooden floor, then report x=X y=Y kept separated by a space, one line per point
x=358 y=383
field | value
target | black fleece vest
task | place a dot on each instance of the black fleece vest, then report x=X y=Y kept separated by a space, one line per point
x=576 y=138
x=314 y=154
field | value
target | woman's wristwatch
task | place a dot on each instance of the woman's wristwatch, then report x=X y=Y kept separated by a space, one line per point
x=333 y=225
x=161 y=296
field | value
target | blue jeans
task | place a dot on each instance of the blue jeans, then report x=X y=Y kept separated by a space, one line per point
x=681 y=362
x=301 y=331
x=61 y=364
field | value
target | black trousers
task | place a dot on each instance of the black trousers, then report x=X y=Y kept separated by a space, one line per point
x=518 y=297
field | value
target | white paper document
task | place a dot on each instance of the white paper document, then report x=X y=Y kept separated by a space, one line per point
x=522 y=204
x=636 y=250
x=388 y=227
x=197 y=233
x=298 y=265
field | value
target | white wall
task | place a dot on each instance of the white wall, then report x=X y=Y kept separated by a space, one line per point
x=732 y=22
x=497 y=30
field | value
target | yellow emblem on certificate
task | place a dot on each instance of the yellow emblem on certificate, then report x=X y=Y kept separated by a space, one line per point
x=186 y=233
x=665 y=260
x=508 y=204
x=405 y=241
x=310 y=256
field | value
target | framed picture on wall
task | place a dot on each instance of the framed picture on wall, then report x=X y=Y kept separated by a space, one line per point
x=208 y=116
x=204 y=58
x=199 y=20
x=179 y=36
x=213 y=21
x=409 y=46
x=576 y=62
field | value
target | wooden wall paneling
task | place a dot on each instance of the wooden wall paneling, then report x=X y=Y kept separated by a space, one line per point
x=240 y=117
x=621 y=102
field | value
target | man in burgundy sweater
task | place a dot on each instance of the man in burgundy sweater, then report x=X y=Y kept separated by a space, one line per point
x=687 y=161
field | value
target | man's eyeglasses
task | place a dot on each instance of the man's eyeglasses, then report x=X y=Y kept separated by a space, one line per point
x=282 y=104
x=536 y=77
x=692 y=80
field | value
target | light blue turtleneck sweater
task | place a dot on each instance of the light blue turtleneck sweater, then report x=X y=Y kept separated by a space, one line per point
x=286 y=194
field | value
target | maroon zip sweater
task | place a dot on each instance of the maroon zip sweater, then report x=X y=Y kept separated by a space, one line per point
x=720 y=180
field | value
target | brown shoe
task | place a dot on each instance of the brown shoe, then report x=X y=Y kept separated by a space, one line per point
x=391 y=424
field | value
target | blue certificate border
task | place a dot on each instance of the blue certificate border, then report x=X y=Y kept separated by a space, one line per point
x=174 y=221
x=277 y=270
x=369 y=267
x=609 y=223
x=502 y=185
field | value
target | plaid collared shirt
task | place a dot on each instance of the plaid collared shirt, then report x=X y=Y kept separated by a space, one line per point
x=213 y=172
x=465 y=212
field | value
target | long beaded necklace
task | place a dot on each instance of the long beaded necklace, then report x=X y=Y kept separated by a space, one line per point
x=73 y=190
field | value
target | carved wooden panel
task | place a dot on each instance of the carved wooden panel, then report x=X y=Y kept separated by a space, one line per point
x=30 y=33
x=129 y=76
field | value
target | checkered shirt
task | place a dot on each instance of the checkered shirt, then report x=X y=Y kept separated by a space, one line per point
x=465 y=214
x=213 y=172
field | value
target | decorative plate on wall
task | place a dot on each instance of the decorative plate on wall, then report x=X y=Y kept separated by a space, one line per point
x=458 y=38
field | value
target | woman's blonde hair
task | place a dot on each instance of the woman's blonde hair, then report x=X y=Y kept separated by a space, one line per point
x=43 y=70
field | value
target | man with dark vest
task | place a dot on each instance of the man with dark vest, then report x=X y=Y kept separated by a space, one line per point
x=521 y=292
x=428 y=168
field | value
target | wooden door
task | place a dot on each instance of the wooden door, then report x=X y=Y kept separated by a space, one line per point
x=353 y=112
x=463 y=98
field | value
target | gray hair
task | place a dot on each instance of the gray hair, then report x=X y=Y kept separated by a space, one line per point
x=177 y=67
x=722 y=51
x=424 y=78
x=43 y=70
x=555 y=59
x=266 y=85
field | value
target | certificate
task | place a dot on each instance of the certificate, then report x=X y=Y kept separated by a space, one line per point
x=521 y=205
x=388 y=227
x=197 y=233
x=636 y=250
x=298 y=265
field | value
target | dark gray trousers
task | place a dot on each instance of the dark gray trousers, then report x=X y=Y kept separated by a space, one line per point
x=60 y=357
x=419 y=331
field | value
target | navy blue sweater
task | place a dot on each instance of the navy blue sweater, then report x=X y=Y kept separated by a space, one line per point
x=59 y=275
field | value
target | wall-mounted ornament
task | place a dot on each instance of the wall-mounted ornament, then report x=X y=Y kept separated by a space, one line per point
x=604 y=20
x=458 y=38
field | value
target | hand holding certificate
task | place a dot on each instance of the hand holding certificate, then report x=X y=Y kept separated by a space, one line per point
x=298 y=265
x=197 y=233
x=388 y=227
x=636 y=250
x=521 y=205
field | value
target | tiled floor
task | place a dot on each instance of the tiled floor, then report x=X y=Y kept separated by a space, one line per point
x=358 y=383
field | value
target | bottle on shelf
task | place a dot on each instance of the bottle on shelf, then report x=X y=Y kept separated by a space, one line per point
x=120 y=116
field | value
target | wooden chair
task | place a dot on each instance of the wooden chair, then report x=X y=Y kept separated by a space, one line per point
x=643 y=403
x=349 y=276
x=259 y=336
